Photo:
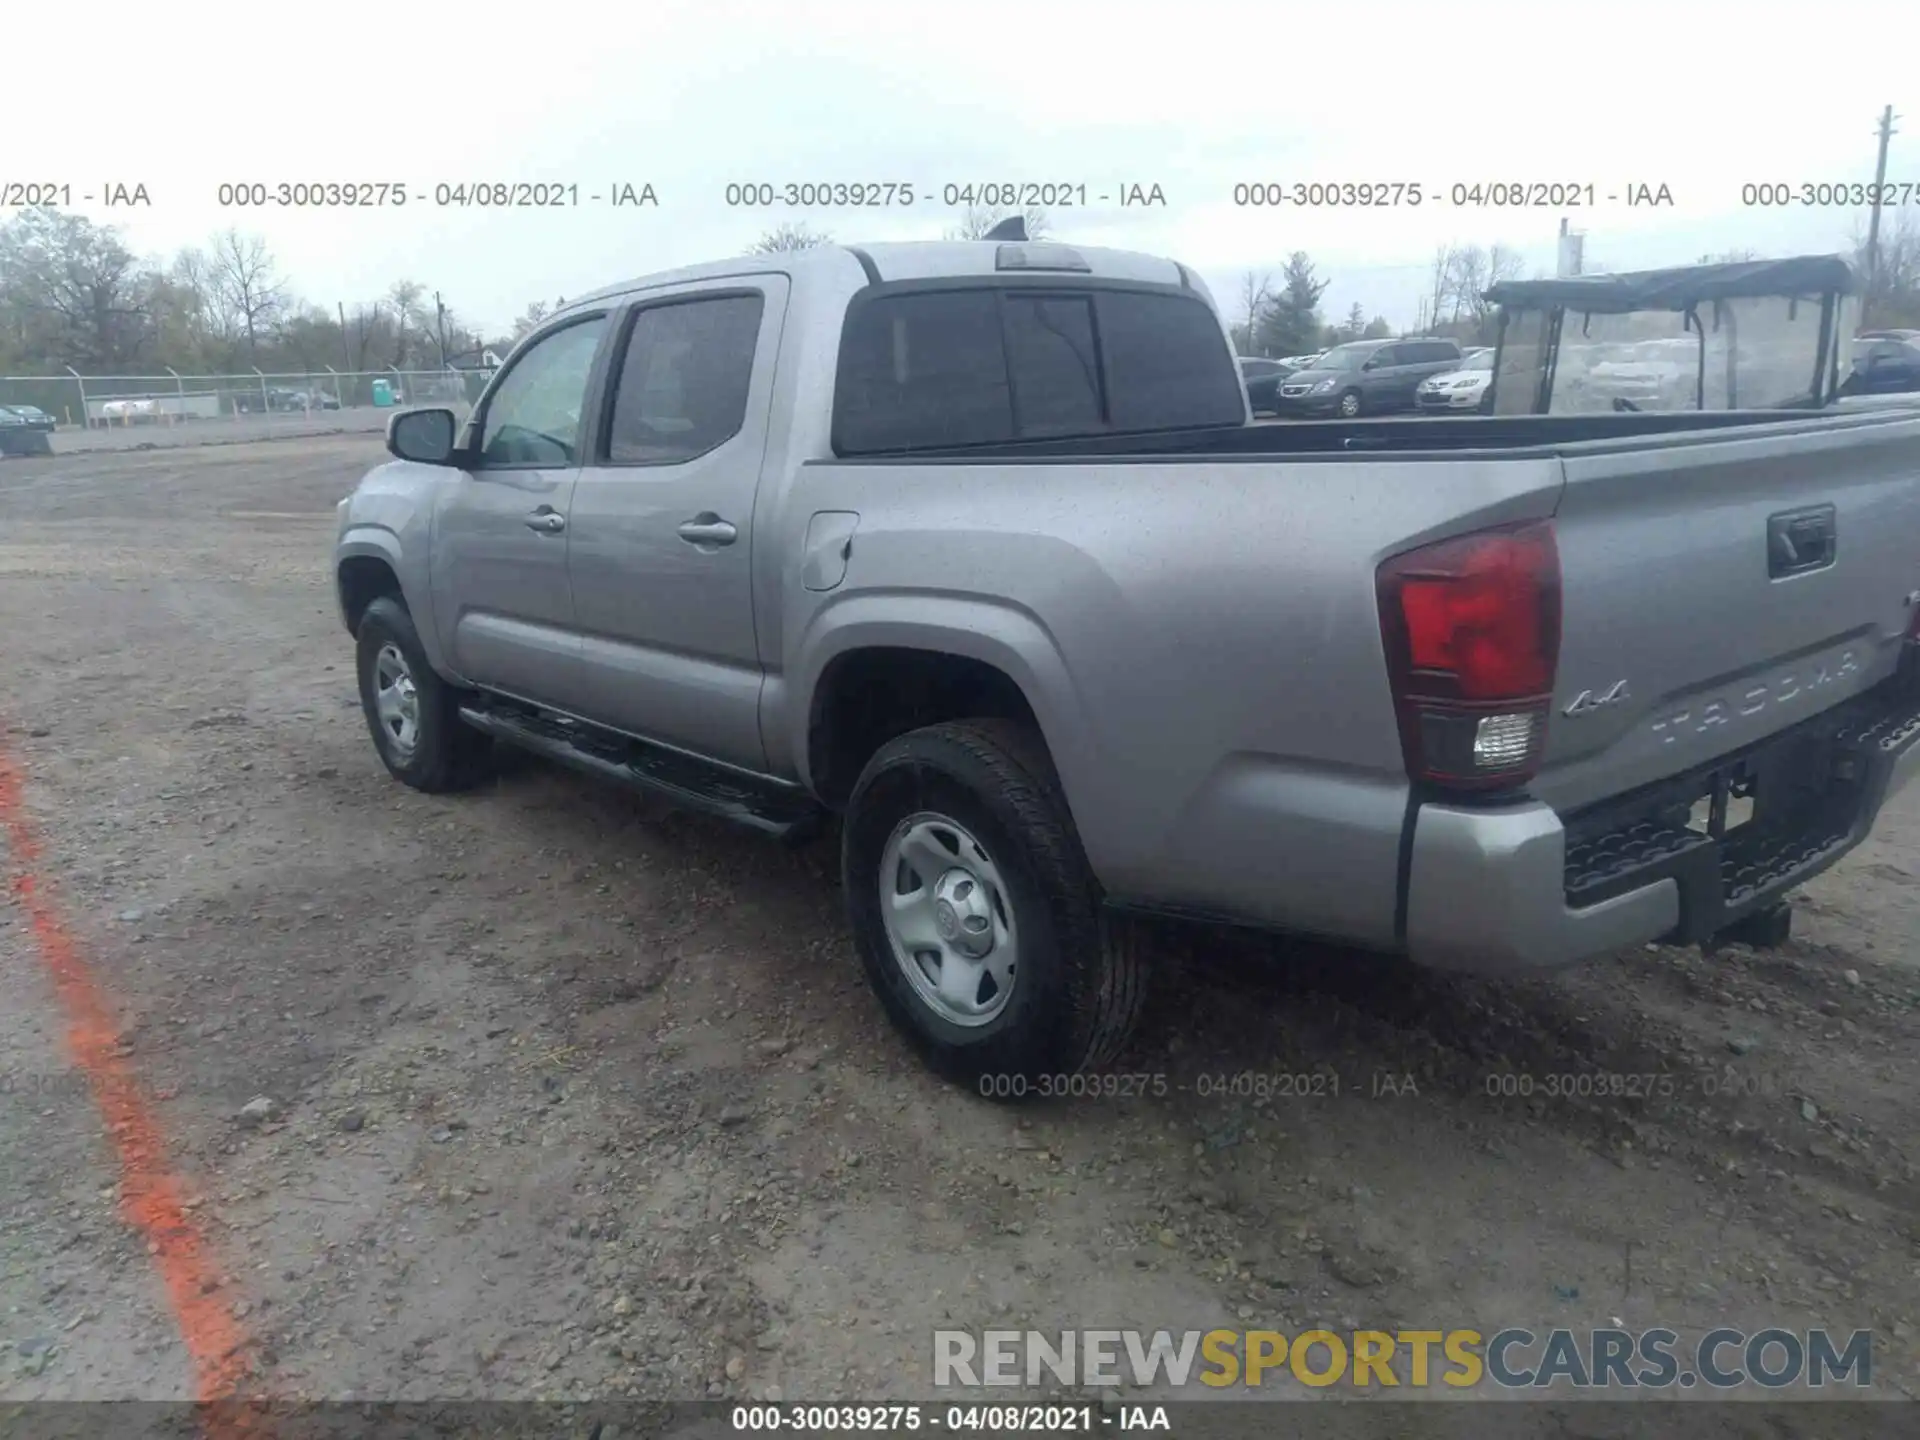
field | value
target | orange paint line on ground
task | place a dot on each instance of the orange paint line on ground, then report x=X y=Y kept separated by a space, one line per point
x=150 y=1195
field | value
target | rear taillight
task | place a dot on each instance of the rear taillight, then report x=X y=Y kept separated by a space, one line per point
x=1472 y=632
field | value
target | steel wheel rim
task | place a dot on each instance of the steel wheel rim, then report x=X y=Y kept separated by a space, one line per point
x=948 y=919
x=396 y=701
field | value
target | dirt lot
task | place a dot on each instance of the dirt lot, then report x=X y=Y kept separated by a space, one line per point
x=574 y=1095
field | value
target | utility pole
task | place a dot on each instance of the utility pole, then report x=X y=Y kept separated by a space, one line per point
x=346 y=350
x=1873 y=224
x=440 y=327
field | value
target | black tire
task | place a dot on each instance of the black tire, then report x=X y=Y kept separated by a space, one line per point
x=1081 y=978
x=446 y=754
x=1350 y=405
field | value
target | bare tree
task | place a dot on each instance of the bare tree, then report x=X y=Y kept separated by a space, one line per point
x=249 y=293
x=976 y=221
x=1439 y=284
x=1477 y=273
x=1893 y=294
x=366 y=328
x=1256 y=290
x=409 y=319
x=788 y=237
x=1469 y=279
x=529 y=319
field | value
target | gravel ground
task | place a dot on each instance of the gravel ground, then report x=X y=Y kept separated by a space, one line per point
x=573 y=1095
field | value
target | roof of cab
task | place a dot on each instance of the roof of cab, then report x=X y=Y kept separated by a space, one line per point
x=902 y=260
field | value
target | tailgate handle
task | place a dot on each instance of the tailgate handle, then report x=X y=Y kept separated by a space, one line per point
x=1799 y=541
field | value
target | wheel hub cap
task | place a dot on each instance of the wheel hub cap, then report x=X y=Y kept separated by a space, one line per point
x=396 y=700
x=948 y=919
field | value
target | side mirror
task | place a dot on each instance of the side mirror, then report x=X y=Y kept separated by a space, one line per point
x=423 y=436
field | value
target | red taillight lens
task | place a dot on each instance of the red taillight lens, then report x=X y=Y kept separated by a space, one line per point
x=1472 y=632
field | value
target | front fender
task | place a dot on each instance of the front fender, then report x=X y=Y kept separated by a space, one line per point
x=389 y=518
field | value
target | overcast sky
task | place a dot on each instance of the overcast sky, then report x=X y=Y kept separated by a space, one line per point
x=1700 y=97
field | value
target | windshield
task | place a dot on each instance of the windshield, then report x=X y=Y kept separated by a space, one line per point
x=1344 y=357
x=1478 y=360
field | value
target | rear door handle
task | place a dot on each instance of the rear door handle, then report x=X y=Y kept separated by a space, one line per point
x=546 y=520
x=707 y=528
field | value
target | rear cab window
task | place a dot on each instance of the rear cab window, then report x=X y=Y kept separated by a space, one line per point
x=935 y=368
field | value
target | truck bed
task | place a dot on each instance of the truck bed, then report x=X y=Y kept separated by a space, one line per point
x=1203 y=619
x=1407 y=435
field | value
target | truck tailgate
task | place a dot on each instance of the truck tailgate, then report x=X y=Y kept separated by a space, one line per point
x=1719 y=589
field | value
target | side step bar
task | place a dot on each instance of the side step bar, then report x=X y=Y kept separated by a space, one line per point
x=760 y=802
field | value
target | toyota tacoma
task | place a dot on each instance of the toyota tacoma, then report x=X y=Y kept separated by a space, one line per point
x=972 y=549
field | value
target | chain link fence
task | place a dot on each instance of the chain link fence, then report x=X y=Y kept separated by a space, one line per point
x=113 y=401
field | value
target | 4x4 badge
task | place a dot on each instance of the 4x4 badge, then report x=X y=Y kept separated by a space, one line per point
x=1586 y=702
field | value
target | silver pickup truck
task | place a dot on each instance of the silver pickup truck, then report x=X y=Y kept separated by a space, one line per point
x=974 y=548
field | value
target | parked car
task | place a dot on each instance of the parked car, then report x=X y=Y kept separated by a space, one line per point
x=1367 y=377
x=36 y=418
x=275 y=399
x=1062 y=638
x=1884 y=367
x=1888 y=335
x=19 y=435
x=1262 y=379
x=311 y=400
x=1650 y=375
x=1469 y=388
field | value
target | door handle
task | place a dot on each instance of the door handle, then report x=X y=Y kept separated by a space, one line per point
x=1801 y=540
x=707 y=528
x=548 y=522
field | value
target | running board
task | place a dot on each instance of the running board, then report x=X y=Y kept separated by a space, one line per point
x=760 y=802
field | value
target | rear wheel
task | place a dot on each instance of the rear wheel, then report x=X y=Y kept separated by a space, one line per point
x=1349 y=404
x=976 y=916
x=411 y=712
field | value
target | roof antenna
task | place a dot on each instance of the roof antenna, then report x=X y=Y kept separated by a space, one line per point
x=1014 y=227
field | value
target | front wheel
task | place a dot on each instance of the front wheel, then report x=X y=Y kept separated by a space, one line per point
x=1350 y=405
x=411 y=712
x=976 y=916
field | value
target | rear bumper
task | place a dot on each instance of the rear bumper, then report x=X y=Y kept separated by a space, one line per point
x=1523 y=889
x=1444 y=401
